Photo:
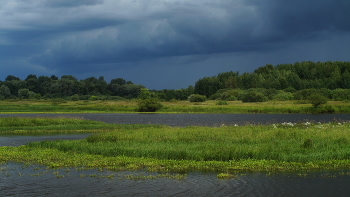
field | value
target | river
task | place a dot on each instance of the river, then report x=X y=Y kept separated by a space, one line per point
x=19 y=180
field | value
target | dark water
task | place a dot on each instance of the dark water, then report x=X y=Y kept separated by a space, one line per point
x=17 y=140
x=16 y=180
x=196 y=119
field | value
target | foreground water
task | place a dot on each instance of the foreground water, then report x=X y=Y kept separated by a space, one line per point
x=18 y=180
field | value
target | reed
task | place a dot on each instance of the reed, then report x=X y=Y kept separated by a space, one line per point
x=276 y=107
x=297 y=143
x=227 y=149
x=42 y=125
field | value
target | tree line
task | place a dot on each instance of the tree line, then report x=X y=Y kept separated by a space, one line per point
x=287 y=81
x=281 y=82
x=67 y=86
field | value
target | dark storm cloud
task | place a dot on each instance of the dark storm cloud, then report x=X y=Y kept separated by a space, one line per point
x=71 y=3
x=95 y=35
x=297 y=20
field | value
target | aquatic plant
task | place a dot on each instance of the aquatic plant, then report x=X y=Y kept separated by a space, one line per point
x=229 y=149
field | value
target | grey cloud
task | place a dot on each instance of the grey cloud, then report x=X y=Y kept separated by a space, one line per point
x=298 y=20
x=71 y=3
x=167 y=29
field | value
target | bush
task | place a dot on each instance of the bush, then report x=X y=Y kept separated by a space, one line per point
x=253 y=97
x=197 y=98
x=231 y=98
x=317 y=100
x=329 y=109
x=221 y=102
x=283 y=96
x=340 y=94
x=93 y=98
x=75 y=97
x=149 y=105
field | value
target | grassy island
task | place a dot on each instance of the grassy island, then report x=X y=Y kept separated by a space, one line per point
x=287 y=147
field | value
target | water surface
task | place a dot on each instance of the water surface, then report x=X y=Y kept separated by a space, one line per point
x=16 y=180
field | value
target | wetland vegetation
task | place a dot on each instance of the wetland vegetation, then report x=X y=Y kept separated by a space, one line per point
x=287 y=147
x=211 y=106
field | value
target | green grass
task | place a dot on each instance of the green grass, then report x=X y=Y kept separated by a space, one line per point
x=276 y=107
x=227 y=149
x=299 y=143
x=40 y=126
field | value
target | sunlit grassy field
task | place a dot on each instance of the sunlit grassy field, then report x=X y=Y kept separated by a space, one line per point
x=130 y=106
x=261 y=148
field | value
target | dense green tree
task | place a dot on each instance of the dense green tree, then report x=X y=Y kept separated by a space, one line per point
x=53 y=77
x=317 y=100
x=15 y=85
x=5 y=91
x=32 y=83
x=11 y=77
x=23 y=93
x=207 y=86
x=197 y=98
x=147 y=101
x=66 y=87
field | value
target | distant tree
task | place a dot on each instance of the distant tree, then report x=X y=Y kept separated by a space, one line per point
x=53 y=77
x=32 y=84
x=5 y=91
x=23 y=93
x=197 y=98
x=317 y=100
x=70 y=77
x=118 y=81
x=15 y=85
x=253 y=96
x=268 y=68
x=11 y=77
x=207 y=86
x=31 y=76
x=147 y=103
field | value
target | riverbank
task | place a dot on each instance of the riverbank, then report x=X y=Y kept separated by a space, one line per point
x=130 y=106
x=286 y=147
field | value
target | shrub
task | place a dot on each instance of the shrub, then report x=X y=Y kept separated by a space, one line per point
x=340 y=94
x=197 y=98
x=329 y=109
x=75 y=97
x=283 y=96
x=93 y=98
x=37 y=96
x=317 y=100
x=253 y=97
x=221 y=102
x=148 y=105
x=231 y=98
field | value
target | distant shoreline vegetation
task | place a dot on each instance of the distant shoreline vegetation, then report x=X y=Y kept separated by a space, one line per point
x=298 y=82
x=209 y=107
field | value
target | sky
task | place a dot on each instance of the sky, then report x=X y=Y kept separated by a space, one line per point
x=167 y=44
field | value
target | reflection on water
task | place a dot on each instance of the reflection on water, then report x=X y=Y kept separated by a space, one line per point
x=17 y=180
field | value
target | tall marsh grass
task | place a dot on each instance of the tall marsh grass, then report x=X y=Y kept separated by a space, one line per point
x=130 y=106
x=303 y=142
